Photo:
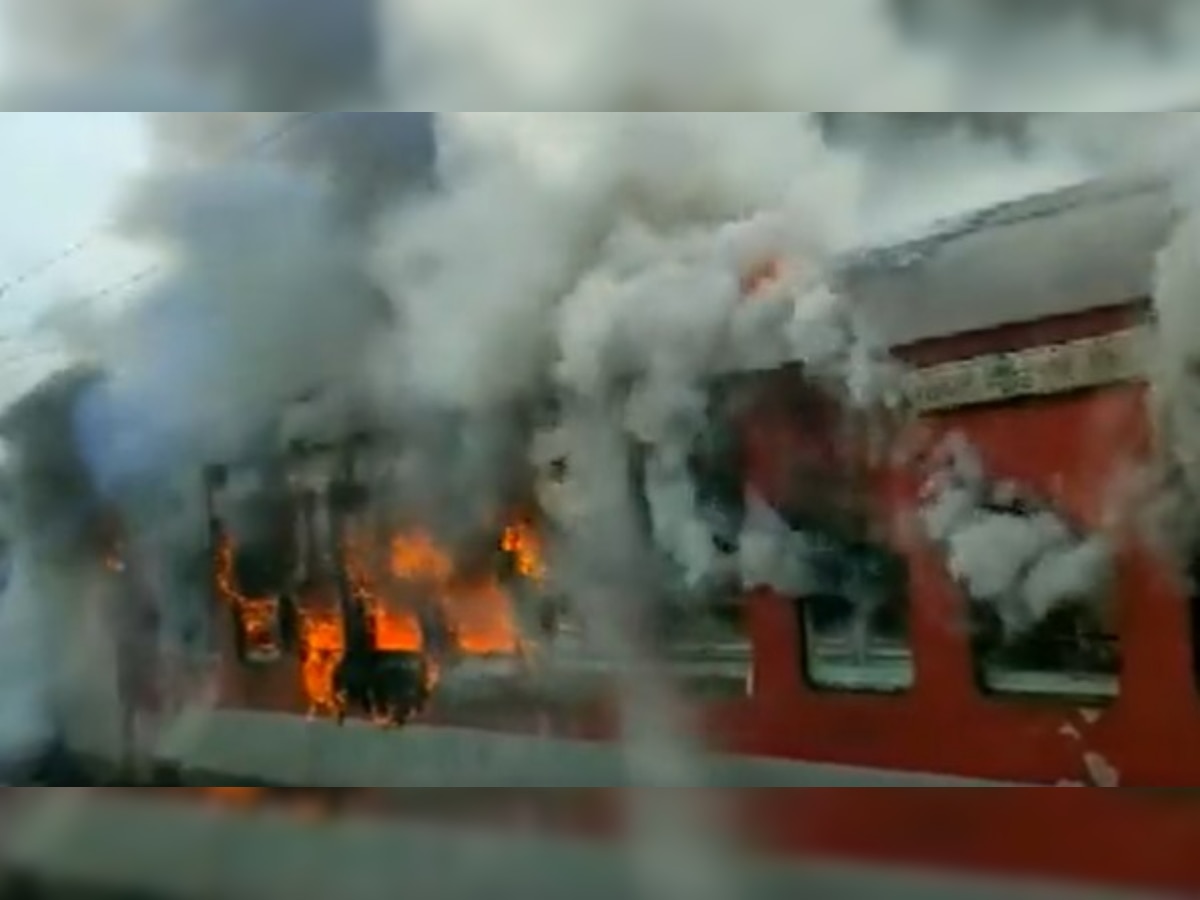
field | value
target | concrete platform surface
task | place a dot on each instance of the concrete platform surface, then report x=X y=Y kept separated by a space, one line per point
x=122 y=844
x=288 y=751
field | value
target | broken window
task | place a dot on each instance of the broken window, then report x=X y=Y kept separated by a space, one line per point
x=855 y=622
x=691 y=502
x=249 y=573
x=851 y=598
x=810 y=535
x=1039 y=590
x=707 y=647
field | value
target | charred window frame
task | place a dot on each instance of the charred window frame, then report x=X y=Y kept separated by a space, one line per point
x=855 y=626
x=702 y=634
x=263 y=623
x=1073 y=654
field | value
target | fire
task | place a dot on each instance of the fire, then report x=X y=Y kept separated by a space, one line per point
x=323 y=639
x=396 y=630
x=258 y=615
x=762 y=276
x=524 y=545
x=415 y=557
x=322 y=646
x=480 y=609
x=483 y=617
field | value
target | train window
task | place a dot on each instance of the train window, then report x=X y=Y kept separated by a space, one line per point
x=703 y=650
x=1039 y=587
x=708 y=651
x=1073 y=652
x=811 y=535
x=259 y=632
x=855 y=624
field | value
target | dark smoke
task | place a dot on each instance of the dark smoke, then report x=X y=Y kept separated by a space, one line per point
x=253 y=53
x=283 y=54
x=370 y=156
x=267 y=302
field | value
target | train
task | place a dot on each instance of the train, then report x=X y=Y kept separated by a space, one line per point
x=362 y=656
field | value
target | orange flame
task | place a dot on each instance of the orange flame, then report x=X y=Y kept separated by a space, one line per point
x=481 y=611
x=484 y=618
x=415 y=557
x=258 y=614
x=323 y=638
x=395 y=629
x=322 y=646
x=761 y=276
x=525 y=546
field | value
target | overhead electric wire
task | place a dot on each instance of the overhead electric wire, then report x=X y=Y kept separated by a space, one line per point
x=45 y=265
x=251 y=148
x=261 y=143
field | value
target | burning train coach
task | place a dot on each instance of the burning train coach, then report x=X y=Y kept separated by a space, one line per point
x=966 y=553
x=337 y=610
x=962 y=583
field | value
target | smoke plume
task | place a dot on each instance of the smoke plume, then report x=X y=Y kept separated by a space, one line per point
x=468 y=276
x=1177 y=390
x=1019 y=558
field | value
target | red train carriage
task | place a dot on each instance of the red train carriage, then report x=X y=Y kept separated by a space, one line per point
x=1024 y=331
x=1026 y=337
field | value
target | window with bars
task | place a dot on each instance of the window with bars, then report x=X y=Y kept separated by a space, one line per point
x=1072 y=654
x=815 y=463
x=855 y=623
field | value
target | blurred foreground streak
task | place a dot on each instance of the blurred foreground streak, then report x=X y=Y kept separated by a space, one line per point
x=109 y=843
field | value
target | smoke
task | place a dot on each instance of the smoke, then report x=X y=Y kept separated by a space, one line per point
x=25 y=727
x=260 y=223
x=544 y=55
x=463 y=272
x=1021 y=559
x=195 y=54
x=1176 y=388
x=266 y=302
x=1082 y=56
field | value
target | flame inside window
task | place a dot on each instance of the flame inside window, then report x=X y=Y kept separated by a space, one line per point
x=258 y=617
x=480 y=610
x=415 y=557
x=396 y=582
x=524 y=545
x=322 y=646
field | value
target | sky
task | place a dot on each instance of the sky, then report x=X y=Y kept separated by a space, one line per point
x=60 y=175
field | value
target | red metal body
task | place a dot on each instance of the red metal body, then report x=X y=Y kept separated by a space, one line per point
x=1067 y=448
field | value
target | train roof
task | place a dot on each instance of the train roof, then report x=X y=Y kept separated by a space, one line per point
x=1064 y=252
x=1067 y=251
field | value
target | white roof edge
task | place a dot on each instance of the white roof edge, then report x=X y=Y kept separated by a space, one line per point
x=1054 y=254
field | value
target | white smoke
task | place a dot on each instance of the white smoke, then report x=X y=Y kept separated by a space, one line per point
x=1176 y=388
x=1022 y=560
x=607 y=269
x=672 y=54
x=595 y=257
x=1087 y=56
